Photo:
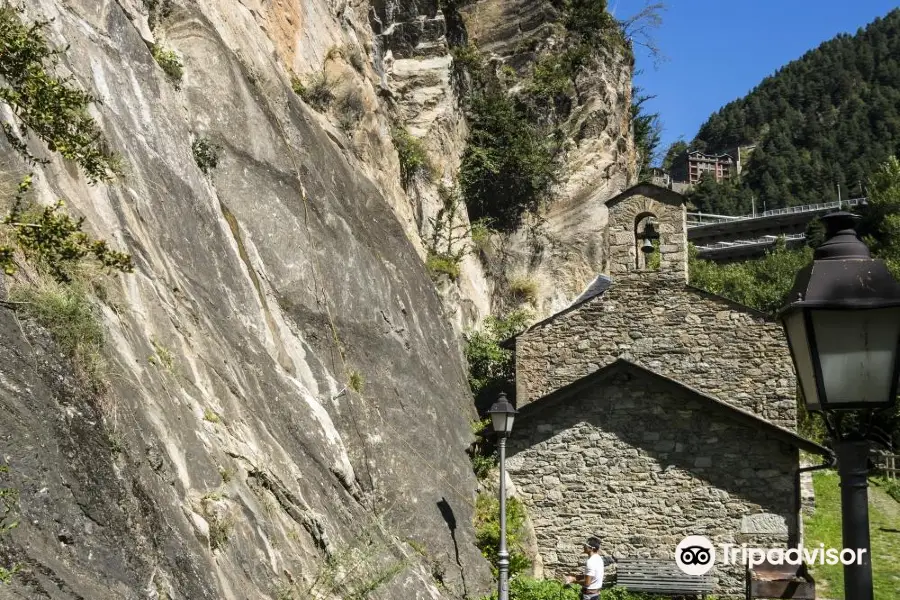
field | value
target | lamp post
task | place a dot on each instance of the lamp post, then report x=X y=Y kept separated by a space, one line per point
x=502 y=416
x=842 y=323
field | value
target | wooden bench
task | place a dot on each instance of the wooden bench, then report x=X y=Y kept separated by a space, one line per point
x=660 y=577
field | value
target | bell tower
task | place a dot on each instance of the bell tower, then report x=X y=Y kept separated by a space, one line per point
x=642 y=217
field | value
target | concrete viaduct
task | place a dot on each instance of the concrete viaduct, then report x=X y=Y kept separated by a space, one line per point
x=722 y=238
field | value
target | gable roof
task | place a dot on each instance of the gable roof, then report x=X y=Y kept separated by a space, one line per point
x=657 y=192
x=601 y=283
x=620 y=365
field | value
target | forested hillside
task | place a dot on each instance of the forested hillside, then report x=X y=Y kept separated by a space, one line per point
x=824 y=120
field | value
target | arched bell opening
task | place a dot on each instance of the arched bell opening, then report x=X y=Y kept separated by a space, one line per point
x=646 y=239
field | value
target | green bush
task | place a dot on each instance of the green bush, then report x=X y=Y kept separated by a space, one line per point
x=491 y=367
x=206 y=154
x=481 y=234
x=317 y=91
x=51 y=239
x=891 y=486
x=441 y=264
x=169 y=62
x=524 y=289
x=761 y=284
x=527 y=588
x=487 y=531
x=414 y=161
x=46 y=105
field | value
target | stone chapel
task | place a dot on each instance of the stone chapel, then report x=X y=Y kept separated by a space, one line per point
x=651 y=410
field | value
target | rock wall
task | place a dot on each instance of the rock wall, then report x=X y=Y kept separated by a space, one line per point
x=640 y=467
x=656 y=320
x=283 y=392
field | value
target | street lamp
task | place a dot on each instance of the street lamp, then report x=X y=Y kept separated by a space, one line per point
x=842 y=323
x=502 y=416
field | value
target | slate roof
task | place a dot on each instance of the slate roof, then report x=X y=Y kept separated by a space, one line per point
x=532 y=409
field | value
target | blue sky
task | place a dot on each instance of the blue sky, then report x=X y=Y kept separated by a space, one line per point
x=717 y=51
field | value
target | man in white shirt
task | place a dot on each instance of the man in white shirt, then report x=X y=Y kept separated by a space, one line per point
x=592 y=580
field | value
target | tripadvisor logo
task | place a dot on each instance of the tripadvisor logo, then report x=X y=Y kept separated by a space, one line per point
x=696 y=555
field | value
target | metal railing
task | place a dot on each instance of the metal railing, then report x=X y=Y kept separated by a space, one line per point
x=765 y=240
x=697 y=219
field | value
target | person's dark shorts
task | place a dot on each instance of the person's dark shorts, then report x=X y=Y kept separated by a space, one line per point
x=589 y=596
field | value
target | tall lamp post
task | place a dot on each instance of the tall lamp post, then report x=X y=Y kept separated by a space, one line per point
x=842 y=322
x=502 y=416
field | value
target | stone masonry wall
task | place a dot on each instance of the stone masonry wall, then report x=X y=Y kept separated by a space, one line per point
x=671 y=218
x=642 y=468
x=656 y=320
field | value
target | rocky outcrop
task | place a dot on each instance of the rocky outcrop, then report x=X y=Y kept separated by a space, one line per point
x=562 y=250
x=230 y=456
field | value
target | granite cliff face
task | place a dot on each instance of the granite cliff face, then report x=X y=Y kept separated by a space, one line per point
x=286 y=412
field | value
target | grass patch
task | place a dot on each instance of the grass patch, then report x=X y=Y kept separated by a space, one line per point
x=162 y=356
x=169 y=62
x=357 y=382
x=67 y=312
x=211 y=416
x=441 y=264
x=824 y=527
x=524 y=289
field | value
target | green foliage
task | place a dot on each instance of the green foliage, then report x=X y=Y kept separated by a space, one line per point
x=481 y=234
x=355 y=572
x=66 y=311
x=317 y=91
x=527 y=588
x=447 y=245
x=508 y=165
x=491 y=368
x=211 y=416
x=9 y=508
x=356 y=382
x=726 y=198
x=52 y=240
x=881 y=218
x=524 y=289
x=487 y=531
x=169 y=62
x=442 y=264
x=761 y=284
x=206 y=154
x=824 y=120
x=50 y=107
x=157 y=10
x=414 y=161
x=647 y=133
x=482 y=452
x=674 y=151
x=891 y=487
